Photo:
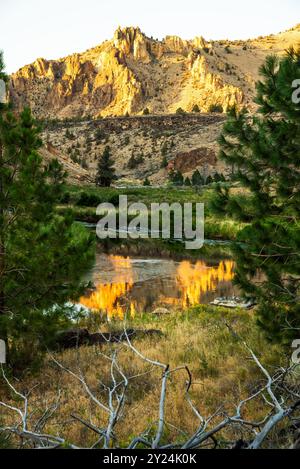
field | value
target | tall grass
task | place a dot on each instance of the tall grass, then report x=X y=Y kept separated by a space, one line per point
x=199 y=338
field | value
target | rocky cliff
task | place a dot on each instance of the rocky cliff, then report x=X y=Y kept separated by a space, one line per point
x=132 y=72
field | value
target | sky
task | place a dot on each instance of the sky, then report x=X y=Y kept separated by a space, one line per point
x=55 y=28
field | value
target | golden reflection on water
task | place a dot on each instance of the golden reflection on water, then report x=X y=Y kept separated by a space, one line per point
x=109 y=297
x=189 y=283
x=196 y=279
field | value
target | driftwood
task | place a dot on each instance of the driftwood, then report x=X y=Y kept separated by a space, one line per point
x=234 y=302
x=81 y=337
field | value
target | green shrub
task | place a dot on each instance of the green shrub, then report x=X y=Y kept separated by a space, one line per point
x=135 y=161
x=196 y=108
x=216 y=108
x=164 y=163
x=65 y=198
x=100 y=135
x=93 y=199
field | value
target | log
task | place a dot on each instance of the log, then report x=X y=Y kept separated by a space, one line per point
x=81 y=337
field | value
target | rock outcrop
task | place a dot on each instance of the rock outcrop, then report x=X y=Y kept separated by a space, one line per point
x=185 y=162
x=132 y=72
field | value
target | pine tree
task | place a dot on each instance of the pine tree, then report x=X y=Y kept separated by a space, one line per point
x=42 y=255
x=265 y=150
x=106 y=171
x=176 y=178
x=164 y=149
x=164 y=163
x=197 y=179
x=217 y=177
x=3 y=108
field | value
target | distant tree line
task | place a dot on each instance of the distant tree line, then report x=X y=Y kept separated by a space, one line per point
x=176 y=178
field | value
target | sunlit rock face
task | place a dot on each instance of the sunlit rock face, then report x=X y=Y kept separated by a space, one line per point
x=132 y=42
x=132 y=72
x=213 y=90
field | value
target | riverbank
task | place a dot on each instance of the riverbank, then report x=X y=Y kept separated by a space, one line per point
x=84 y=201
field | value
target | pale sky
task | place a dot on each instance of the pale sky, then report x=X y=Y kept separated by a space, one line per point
x=54 y=28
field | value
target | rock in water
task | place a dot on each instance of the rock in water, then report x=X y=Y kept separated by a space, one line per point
x=234 y=302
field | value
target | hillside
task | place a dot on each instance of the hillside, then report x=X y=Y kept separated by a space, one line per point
x=97 y=98
x=133 y=72
x=139 y=145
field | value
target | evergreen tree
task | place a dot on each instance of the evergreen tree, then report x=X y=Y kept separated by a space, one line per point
x=147 y=183
x=187 y=182
x=176 y=178
x=197 y=179
x=42 y=255
x=164 y=162
x=106 y=171
x=164 y=149
x=217 y=177
x=216 y=108
x=265 y=150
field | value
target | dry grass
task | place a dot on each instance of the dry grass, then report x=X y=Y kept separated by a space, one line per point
x=199 y=338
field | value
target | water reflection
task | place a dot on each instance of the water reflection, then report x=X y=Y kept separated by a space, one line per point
x=141 y=285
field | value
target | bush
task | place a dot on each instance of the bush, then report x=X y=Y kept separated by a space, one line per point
x=86 y=199
x=65 y=198
x=176 y=178
x=69 y=135
x=164 y=163
x=135 y=161
x=146 y=112
x=100 y=135
x=197 y=179
x=164 y=149
x=216 y=108
x=180 y=111
x=196 y=108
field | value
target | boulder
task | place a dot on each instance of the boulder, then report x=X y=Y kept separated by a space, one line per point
x=160 y=312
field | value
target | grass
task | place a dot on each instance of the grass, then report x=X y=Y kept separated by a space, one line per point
x=199 y=338
x=78 y=200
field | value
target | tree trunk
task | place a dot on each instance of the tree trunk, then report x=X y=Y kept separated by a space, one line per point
x=3 y=331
